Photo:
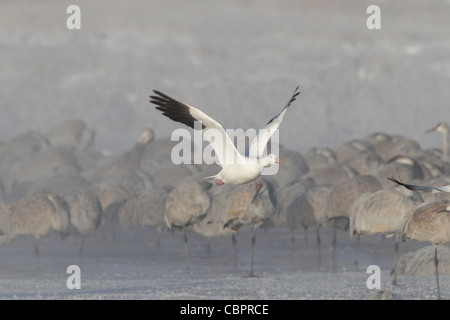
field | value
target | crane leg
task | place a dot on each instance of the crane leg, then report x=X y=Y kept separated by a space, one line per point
x=356 y=252
x=292 y=237
x=36 y=253
x=158 y=241
x=233 y=241
x=436 y=262
x=334 y=239
x=319 y=248
x=80 y=252
x=252 y=274
x=186 y=249
x=318 y=237
x=208 y=246
x=394 y=281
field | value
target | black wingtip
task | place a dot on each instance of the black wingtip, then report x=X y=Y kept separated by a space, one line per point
x=173 y=109
x=294 y=96
x=395 y=180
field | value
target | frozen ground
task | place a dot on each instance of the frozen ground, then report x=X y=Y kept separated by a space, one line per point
x=225 y=57
x=132 y=267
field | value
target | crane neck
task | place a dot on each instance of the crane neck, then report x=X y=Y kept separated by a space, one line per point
x=445 y=144
x=134 y=161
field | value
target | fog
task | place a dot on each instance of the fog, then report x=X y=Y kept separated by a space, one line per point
x=238 y=61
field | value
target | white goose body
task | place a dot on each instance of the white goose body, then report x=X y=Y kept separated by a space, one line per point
x=242 y=169
x=239 y=173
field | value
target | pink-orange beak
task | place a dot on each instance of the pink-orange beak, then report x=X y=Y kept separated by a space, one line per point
x=277 y=161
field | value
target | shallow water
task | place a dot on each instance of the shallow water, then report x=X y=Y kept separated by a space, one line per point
x=132 y=267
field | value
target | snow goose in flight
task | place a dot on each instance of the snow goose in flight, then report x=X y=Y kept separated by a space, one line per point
x=236 y=168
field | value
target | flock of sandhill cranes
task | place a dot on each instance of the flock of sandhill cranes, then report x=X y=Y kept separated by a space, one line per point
x=57 y=182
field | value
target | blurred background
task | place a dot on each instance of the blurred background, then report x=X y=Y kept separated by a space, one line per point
x=239 y=61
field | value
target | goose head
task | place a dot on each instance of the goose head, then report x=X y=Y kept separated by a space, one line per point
x=269 y=160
